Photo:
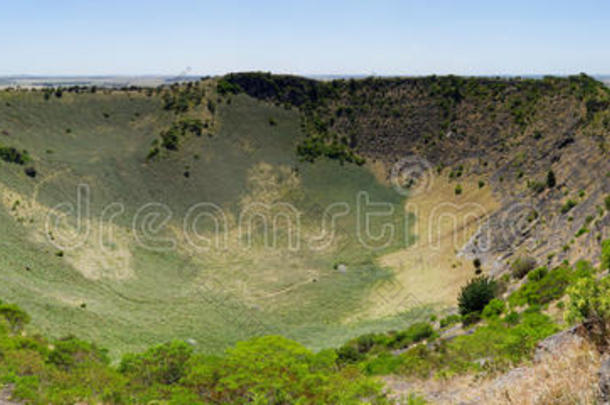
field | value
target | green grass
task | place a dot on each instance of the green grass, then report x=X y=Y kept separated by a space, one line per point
x=216 y=298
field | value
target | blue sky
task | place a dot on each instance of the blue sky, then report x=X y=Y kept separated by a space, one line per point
x=307 y=37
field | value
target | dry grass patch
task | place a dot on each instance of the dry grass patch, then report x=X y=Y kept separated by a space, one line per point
x=429 y=271
x=566 y=377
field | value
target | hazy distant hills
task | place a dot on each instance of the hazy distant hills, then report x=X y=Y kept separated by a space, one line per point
x=118 y=81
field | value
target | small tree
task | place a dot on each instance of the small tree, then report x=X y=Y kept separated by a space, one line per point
x=551 y=181
x=475 y=295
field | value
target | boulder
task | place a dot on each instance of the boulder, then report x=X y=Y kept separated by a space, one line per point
x=554 y=344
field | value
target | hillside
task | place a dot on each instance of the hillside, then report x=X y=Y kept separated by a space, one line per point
x=327 y=212
x=495 y=138
x=107 y=278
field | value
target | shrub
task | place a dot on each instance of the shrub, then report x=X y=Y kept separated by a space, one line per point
x=589 y=301
x=458 y=190
x=12 y=155
x=349 y=354
x=607 y=202
x=544 y=286
x=163 y=364
x=413 y=334
x=494 y=308
x=605 y=259
x=538 y=274
x=15 y=316
x=551 y=181
x=225 y=87
x=567 y=206
x=450 y=320
x=273 y=369
x=30 y=172
x=69 y=352
x=536 y=186
x=512 y=318
x=471 y=318
x=581 y=232
x=481 y=184
x=522 y=265
x=475 y=295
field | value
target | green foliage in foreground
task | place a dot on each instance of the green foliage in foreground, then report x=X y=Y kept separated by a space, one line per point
x=544 y=286
x=497 y=345
x=273 y=369
x=506 y=337
x=269 y=369
x=357 y=349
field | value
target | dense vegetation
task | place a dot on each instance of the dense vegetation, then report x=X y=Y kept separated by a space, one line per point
x=182 y=99
x=273 y=369
x=268 y=369
x=388 y=117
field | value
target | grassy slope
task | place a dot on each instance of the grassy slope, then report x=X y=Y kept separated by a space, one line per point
x=135 y=297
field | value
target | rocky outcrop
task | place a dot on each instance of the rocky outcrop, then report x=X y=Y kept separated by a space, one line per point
x=604 y=381
x=554 y=344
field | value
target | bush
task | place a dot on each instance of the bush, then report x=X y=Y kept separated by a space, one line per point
x=567 y=206
x=475 y=295
x=163 y=364
x=605 y=259
x=12 y=155
x=458 y=189
x=607 y=202
x=536 y=186
x=69 y=352
x=589 y=301
x=544 y=286
x=413 y=334
x=551 y=181
x=494 y=308
x=471 y=318
x=225 y=87
x=450 y=320
x=522 y=265
x=30 y=172
x=273 y=369
x=15 y=316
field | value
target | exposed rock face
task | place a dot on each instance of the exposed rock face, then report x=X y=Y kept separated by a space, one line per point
x=564 y=361
x=604 y=381
x=554 y=344
x=5 y=395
